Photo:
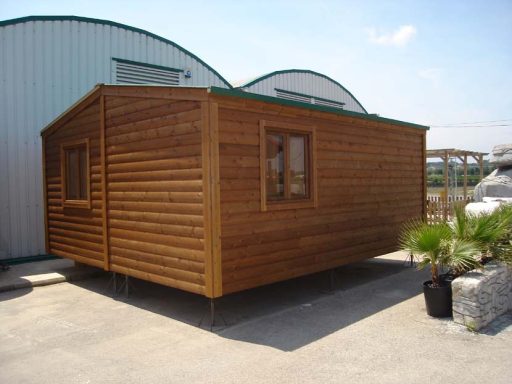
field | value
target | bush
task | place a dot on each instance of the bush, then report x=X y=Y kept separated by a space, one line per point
x=492 y=232
x=464 y=244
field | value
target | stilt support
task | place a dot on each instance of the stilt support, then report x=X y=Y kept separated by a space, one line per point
x=114 y=282
x=330 y=287
x=409 y=260
x=123 y=285
x=126 y=286
x=332 y=280
x=212 y=314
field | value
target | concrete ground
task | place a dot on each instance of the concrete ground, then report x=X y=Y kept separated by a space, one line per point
x=371 y=329
x=36 y=274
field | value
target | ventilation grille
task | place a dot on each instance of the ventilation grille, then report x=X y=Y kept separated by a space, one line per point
x=308 y=99
x=132 y=73
x=329 y=103
x=293 y=96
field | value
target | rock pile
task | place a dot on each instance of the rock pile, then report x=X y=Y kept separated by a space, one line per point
x=499 y=182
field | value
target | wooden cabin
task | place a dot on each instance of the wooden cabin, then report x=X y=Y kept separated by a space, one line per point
x=214 y=191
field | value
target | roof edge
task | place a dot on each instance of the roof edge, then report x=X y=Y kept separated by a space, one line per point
x=276 y=100
x=95 y=92
x=27 y=19
x=266 y=76
x=88 y=98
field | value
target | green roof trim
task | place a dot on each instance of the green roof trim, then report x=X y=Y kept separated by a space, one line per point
x=276 y=100
x=27 y=19
x=261 y=78
x=310 y=96
x=141 y=64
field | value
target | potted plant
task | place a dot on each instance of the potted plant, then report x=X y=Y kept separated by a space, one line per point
x=436 y=245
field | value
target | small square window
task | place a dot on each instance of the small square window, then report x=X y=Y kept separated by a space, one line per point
x=286 y=166
x=75 y=174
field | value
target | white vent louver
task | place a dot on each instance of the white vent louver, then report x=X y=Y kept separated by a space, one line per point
x=329 y=103
x=292 y=96
x=134 y=73
x=288 y=95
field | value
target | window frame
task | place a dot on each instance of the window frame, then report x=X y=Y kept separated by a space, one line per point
x=288 y=129
x=75 y=203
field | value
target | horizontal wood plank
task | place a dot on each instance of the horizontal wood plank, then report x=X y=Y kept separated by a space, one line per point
x=369 y=182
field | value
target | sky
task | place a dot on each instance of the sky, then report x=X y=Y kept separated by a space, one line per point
x=445 y=64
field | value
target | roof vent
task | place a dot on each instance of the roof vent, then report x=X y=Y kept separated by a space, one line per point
x=131 y=72
x=329 y=103
x=295 y=96
x=292 y=96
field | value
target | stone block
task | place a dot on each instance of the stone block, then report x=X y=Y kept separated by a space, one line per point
x=482 y=295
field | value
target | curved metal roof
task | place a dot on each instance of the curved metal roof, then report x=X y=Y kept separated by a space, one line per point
x=27 y=19
x=266 y=76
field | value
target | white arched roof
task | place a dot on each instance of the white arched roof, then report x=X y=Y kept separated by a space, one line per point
x=306 y=86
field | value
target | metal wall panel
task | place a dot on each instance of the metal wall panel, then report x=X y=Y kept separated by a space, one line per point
x=304 y=82
x=45 y=66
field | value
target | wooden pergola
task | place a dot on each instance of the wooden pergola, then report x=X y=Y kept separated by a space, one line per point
x=462 y=155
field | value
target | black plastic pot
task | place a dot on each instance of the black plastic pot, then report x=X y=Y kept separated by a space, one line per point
x=438 y=300
x=446 y=278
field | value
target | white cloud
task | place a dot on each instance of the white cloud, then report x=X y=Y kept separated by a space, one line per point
x=400 y=37
x=432 y=74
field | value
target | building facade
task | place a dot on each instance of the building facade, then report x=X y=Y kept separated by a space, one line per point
x=214 y=190
x=46 y=64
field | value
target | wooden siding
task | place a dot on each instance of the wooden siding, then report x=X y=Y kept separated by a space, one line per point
x=369 y=182
x=181 y=201
x=147 y=220
x=75 y=233
x=155 y=190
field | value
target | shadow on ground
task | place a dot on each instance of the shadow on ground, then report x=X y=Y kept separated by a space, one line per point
x=501 y=324
x=285 y=315
x=14 y=293
x=20 y=278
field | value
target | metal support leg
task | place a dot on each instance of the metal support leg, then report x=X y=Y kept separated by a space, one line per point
x=212 y=316
x=331 y=282
x=409 y=260
x=126 y=286
x=114 y=277
x=212 y=313
x=332 y=278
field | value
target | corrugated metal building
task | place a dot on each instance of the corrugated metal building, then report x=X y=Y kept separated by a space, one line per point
x=305 y=86
x=46 y=64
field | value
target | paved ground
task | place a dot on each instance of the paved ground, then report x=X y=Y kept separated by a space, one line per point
x=372 y=329
x=29 y=275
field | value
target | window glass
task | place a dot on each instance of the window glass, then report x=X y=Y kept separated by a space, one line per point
x=298 y=167
x=83 y=173
x=287 y=171
x=75 y=173
x=275 y=166
x=72 y=177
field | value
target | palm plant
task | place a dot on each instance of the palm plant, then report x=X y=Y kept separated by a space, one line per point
x=436 y=246
x=491 y=232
